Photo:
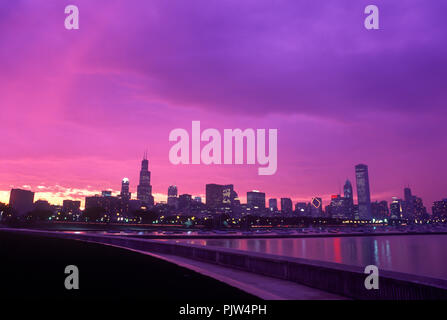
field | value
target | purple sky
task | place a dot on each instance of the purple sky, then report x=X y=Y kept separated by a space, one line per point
x=80 y=107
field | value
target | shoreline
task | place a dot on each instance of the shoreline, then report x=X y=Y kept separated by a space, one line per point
x=340 y=279
x=233 y=234
x=282 y=236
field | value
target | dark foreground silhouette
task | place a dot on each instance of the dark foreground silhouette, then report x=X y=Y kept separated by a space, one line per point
x=33 y=267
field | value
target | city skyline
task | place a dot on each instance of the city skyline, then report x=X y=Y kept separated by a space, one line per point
x=161 y=196
x=253 y=197
x=78 y=105
x=185 y=153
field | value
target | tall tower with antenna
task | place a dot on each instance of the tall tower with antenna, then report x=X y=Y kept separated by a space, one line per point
x=144 y=189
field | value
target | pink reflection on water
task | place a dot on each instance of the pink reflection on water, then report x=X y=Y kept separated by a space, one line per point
x=414 y=254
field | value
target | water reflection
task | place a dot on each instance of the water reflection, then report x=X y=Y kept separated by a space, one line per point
x=417 y=254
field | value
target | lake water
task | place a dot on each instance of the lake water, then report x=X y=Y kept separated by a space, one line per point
x=415 y=254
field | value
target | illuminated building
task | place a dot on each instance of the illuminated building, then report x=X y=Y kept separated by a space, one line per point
x=336 y=208
x=418 y=206
x=302 y=208
x=439 y=208
x=396 y=208
x=125 y=195
x=71 y=206
x=273 y=205
x=106 y=193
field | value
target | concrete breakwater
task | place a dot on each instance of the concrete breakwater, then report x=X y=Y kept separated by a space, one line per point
x=331 y=277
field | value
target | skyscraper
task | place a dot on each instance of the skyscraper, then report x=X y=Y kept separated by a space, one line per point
x=184 y=202
x=273 y=204
x=379 y=210
x=418 y=208
x=396 y=208
x=219 y=195
x=286 y=205
x=316 y=207
x=21 y=201
x=172 y=196
x=336 y=208
x=439 y=208
x=363 y=193
x=348 y=199
x=110 y=206
x=256 y=199
x=144 y=189
x=409 y=203
x=125 y=194
x=302 y=208
x=347 y=192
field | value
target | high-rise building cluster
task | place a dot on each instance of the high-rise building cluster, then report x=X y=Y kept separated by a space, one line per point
x=439 y=208
x=223 y=199
x=119 y=208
